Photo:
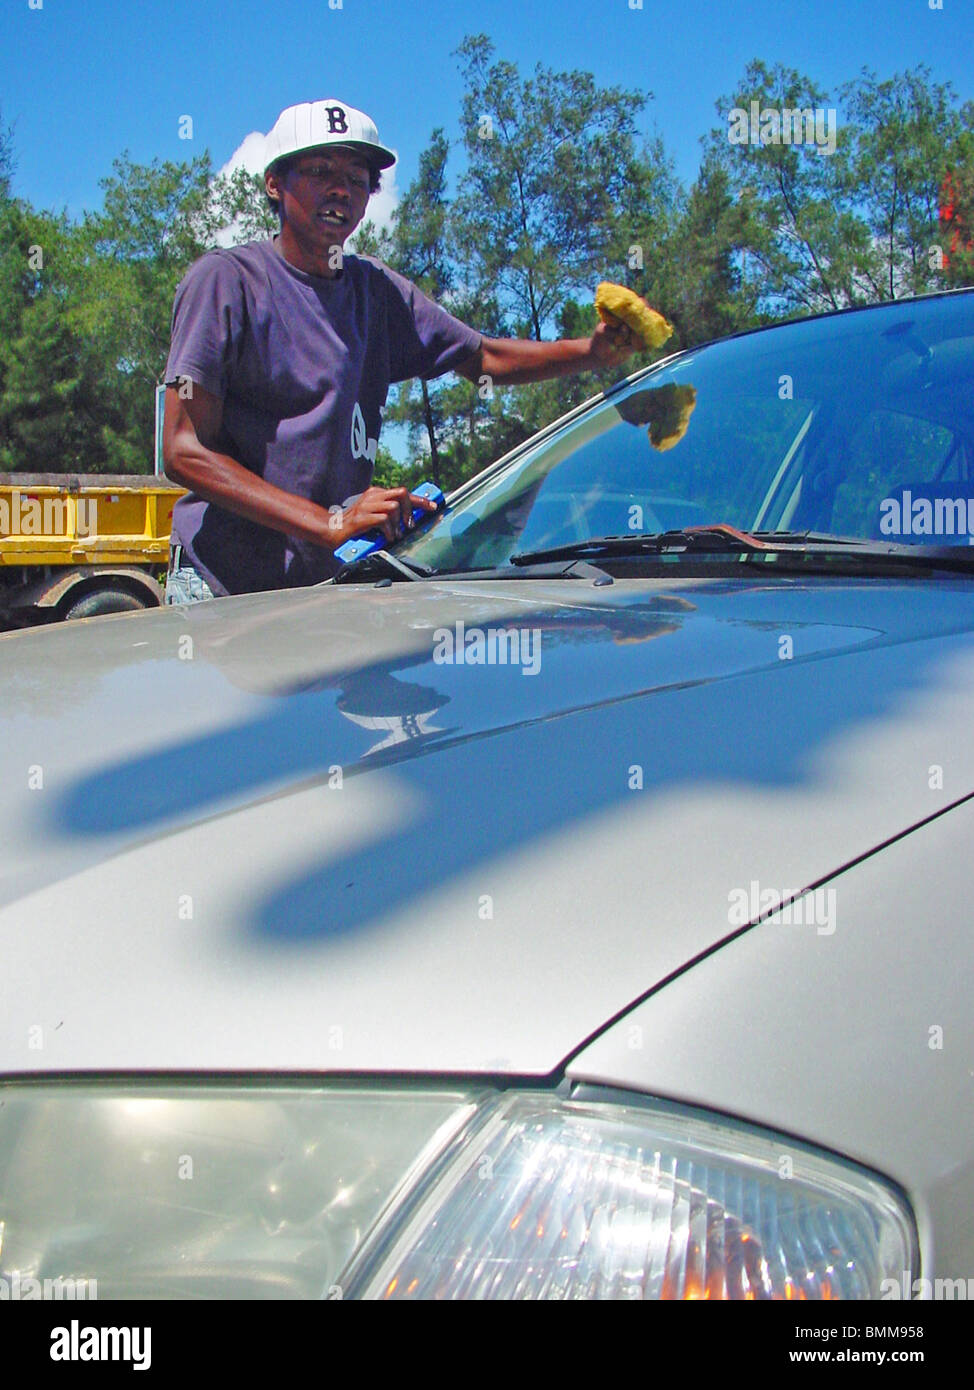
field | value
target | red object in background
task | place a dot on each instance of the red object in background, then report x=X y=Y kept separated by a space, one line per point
x=951 y=220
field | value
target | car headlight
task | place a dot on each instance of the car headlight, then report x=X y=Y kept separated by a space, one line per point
x=422 y=1192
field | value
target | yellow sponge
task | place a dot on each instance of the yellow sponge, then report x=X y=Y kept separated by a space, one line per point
x=616 y=302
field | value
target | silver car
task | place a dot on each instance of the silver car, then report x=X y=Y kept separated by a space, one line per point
x=572 y=901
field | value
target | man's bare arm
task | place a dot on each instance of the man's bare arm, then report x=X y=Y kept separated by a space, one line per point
x=514 y=361
x=190 y=428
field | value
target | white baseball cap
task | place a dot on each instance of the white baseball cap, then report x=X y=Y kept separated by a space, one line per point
x=327 y=122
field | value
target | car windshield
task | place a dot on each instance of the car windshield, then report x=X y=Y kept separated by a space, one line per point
x=859 y=424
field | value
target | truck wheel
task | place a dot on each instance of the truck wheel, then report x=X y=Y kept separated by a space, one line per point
x=99 y=601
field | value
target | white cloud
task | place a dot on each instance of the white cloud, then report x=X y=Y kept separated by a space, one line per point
x=384 y=203
x=249 y=155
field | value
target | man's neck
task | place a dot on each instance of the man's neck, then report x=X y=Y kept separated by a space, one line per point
x=311 y=262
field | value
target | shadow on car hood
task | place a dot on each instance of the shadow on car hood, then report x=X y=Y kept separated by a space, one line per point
x=315 y=832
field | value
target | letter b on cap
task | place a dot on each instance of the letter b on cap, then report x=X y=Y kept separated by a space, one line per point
x=337 y=124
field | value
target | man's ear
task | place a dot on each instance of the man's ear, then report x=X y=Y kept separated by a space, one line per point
x=272 y=185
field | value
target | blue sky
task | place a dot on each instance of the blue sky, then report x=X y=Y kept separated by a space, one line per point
x=83 y=80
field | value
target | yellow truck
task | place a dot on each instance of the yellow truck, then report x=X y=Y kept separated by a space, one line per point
x=77 y=545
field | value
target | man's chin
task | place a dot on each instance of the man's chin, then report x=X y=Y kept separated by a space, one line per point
x=333 y=239
x=326 y=247
x=318 y=245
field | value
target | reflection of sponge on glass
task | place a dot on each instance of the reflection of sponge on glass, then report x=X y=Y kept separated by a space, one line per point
x=616 y=302
x=665 y=409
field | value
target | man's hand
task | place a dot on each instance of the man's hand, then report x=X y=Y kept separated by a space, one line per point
x=387 y=509
x=612 y=343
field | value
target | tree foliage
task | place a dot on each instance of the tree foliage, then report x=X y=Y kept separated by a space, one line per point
x=902 y=135
x=548 y=160
x=85 y=312
x=826 y=225
x=798 y=243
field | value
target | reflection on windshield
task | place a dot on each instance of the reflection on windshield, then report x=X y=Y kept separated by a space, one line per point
x=665 y=409
x=819 y=425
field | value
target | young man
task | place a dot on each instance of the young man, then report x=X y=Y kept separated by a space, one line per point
x=281 y=358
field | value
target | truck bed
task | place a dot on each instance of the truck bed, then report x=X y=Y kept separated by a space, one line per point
x=85 y=518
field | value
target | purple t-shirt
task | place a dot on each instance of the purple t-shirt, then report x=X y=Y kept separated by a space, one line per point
x=303 y=364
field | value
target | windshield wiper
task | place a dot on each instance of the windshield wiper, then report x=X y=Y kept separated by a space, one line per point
x=722 y=539
x=717 y=538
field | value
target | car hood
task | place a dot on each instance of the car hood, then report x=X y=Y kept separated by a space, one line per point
x=310 y=832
